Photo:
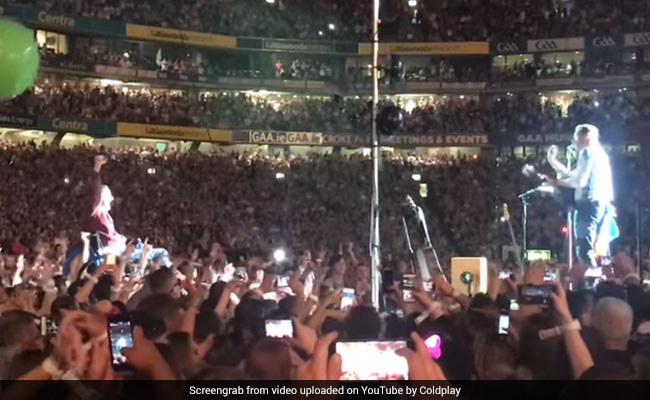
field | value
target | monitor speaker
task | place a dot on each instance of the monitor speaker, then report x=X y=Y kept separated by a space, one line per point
x=469 y=275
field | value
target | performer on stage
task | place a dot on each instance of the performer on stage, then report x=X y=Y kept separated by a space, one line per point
x=592 y=180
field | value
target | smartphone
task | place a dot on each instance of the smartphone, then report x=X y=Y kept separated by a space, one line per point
x=120 y=336
x=504 y=324
x=533 y=294
x=240 y=274
x=387 y=279
x=278 y=328
x=283 y=281
x=408 y=284
x=428 y=286
x=47 y=326
x=372 y=361
x=348 y=298
x=504 y=274
x=110 y=259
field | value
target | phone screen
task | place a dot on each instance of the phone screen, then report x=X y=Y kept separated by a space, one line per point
x=348 y=298
x=240 y=274
x=504 y=324
x=120 y=336
x=408 y=284
x=279 y=328
x=533 y=294
x=550 y=275
x=110 y=259
x=372 y=361
x=283 y=281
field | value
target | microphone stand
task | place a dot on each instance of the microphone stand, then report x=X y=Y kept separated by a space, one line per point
x=524 y=224
x=569 y=218
x=408 y=243
x=419 y=215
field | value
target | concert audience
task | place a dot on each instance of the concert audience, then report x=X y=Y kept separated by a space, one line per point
x=205 y=320
x=338 y=19
x=506 y=116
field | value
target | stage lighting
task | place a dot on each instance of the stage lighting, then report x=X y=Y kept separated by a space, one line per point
x=474 y=157
x=270 y=1
x=320 y=33
x=413 y=3
x=279 y=255
x=331 y=27
x=66 y=180
x=565 y=230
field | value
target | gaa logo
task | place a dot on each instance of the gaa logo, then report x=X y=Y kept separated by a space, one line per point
x=603 y=41
x=641 y=38
x=546 y=45
x=507 y=47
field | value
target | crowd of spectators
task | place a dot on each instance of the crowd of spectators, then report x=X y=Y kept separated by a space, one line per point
x=507 y=115
x=222 y=215
x=327 y=19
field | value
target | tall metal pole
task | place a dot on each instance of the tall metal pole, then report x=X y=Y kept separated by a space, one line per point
x=375 y=254
x=638 y=238
x=569 y=223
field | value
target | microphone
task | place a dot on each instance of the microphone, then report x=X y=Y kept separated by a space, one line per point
x=409 y=201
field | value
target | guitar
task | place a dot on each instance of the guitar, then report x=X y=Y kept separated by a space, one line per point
x=564 y=196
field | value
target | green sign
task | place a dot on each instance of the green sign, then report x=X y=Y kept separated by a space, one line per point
x=50 y=19
x=78 y=125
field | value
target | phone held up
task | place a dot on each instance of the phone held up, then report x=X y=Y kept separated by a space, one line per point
x=278 y=328
x=348 y=298
x=408 y=285
x=536 y=294
x=504 y=324
x=120 y=336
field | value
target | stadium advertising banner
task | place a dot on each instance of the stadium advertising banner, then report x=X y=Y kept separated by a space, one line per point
x=49 y=19
x=286 y=138
x=431 y=48
x=174 y=132
x=77 y=125
x=296 y=46
x=181 y=37
x=62 y=64
x=508 y=47
x=356 y=140
x=554 y=45
x=541 y=139
x=637 y=39
x=17 y=121
x=603 y=41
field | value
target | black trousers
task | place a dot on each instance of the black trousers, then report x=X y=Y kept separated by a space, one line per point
x=587 y=220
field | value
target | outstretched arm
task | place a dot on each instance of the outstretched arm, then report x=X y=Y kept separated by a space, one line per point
x=96 y=179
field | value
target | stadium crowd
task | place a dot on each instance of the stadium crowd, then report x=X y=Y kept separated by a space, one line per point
x=508 y=115
x=325 y=19
x=222 y=215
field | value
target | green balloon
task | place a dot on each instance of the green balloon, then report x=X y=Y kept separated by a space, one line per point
x=18 y=59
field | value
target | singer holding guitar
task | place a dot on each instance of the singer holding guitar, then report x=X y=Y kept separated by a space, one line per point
x=592 y=181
